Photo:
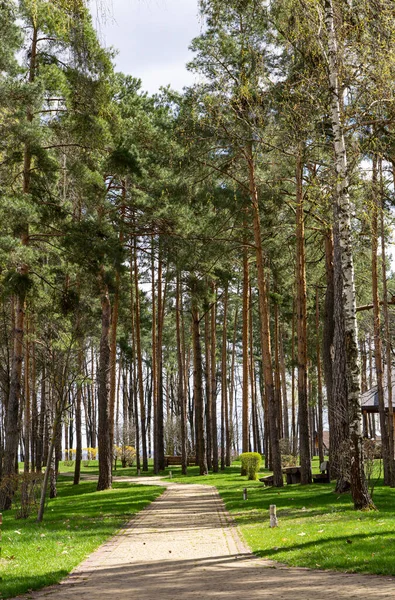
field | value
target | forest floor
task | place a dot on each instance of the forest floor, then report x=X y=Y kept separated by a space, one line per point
x=186 y=545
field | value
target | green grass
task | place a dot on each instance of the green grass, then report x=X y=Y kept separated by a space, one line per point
x=317 y=528
x=75 y=523
x=93 y=469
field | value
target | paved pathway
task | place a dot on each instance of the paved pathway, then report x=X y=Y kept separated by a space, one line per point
x=184 y=546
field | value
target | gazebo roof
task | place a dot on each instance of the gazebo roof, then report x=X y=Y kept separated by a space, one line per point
x=370 y=398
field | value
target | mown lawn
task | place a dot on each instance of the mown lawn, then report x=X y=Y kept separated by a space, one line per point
x=75 y=523
x=317 y=528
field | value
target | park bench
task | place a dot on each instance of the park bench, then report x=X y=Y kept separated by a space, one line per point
x=171 y=461
x=268 y=480
x=323 y=476
x=293 y=474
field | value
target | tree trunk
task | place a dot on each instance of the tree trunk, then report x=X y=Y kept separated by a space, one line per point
x=181 y=376
x=103 y=378
x=301 y=311
x=11 y=427
x=378 y=354
x=293 y=386
x=254 y=408
x=213 y=361
x=34 y=427
x=207 y=374
x=41 y=423
x=232 y=387
x=265 y=329
x=78 y=419
x=154 y=358
x=284 y=391
x=277 y=376
x=245 y=337
x=345 y=266
x=139 y=359
x=225 y=449
x=388 y=351
x=113 y=357
x=159 y=413
x=26 y=466
x=319 y=380
x=198 y=386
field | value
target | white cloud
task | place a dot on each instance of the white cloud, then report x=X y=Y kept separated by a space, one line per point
x=151 y=36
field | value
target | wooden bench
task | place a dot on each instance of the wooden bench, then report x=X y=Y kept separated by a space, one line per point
x=268 y=480
x=171 y=461
x=293 y=474
x=324 y=475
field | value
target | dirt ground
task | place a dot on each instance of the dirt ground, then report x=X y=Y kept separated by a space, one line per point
x=185 y=546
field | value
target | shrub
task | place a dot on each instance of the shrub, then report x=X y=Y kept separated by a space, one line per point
x=127 y=454
x=250 y=463
x=91 y=453
x=25 y=489
x=289 y=460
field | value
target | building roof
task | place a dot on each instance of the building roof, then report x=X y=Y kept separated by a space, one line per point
x=370 y=398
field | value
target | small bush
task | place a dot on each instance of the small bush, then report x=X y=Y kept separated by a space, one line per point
x=68 y=463
x=127 y=454
x=25 y=490
x=289 y=460
x=91 y=453
x=250 y=463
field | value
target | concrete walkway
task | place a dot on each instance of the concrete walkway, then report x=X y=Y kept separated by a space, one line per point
x=184 y=546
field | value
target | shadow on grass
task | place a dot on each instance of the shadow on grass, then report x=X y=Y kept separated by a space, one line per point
x=75 y=523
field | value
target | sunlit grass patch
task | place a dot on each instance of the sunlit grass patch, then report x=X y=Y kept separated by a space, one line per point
x=317 y=528
x=75 y=523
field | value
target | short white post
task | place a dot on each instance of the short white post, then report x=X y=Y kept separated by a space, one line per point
x=245 y=494
x=273 y=516
x=170 y=474
x=138 y=472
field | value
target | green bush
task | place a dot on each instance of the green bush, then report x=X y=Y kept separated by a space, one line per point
x=250 y=463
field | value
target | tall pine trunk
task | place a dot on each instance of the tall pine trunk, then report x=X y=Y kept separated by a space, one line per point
x=301 y=311
x=103 y=378
x=159 y=410
x=181 y=377
x=320 y=424
x=273 y=409
x=139 y=358
x=213 y=362
x=245 y=335
x=201 y=457
x=207 y=374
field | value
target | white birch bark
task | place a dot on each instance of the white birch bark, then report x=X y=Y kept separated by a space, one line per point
x=343 y=214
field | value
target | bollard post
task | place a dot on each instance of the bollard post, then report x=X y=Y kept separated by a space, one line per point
x=138 y=472
x=245 y=494
x=170 y=474
x=273 y=516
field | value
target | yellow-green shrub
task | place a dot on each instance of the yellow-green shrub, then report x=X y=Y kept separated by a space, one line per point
x=250 y=463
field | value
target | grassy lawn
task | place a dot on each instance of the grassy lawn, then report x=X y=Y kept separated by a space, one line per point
x=93 y=469
x=317 y=528
x=75 y=523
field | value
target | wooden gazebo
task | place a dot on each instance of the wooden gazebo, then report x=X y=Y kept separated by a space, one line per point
x=370 y=407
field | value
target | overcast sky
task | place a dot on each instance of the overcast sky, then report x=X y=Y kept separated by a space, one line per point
x=151 y=36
